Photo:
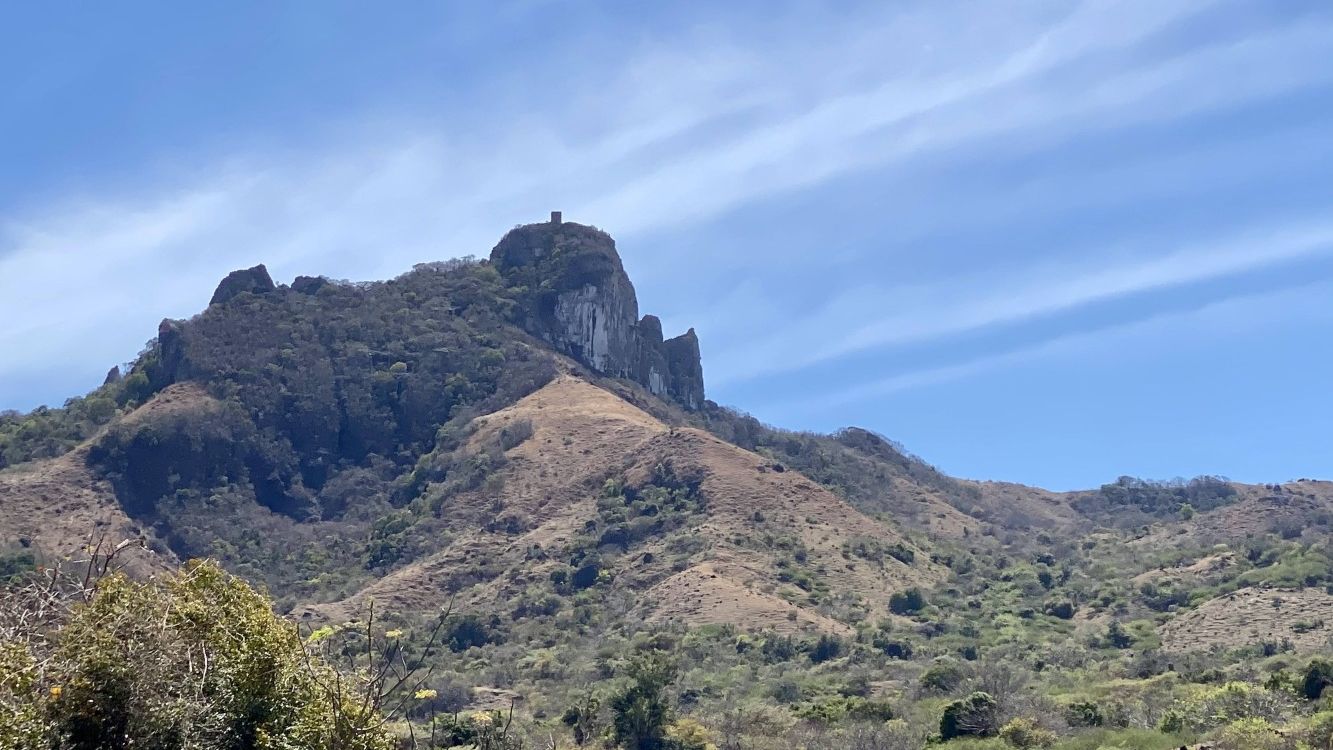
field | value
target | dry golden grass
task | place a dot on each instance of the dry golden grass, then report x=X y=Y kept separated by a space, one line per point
x=1260 y=510
x=1038 y=507
x=711 y=594
x=583 y=435
x=1201 y=568
x=1251 y=616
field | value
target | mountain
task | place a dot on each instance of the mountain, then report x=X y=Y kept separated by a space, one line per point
x=511 y=437
x=345 y=441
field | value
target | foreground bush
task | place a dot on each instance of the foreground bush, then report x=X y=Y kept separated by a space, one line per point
x=1138 y=739
x=196 y=661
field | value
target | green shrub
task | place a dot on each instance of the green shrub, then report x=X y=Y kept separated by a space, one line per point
x=1026 y=734
x=1318 y=677
x=1117 y=636
x=688 y=734
x=1084 y=714
x=977 y=715
x=198 y=660
x=1064 y=610
x=826 y=648
x=1249 y=734
x=16 y=563
x=583 y=719
x=23 y=721
x=943 y=677
x=1318 y=732
x=1222 y=705
x=832 y=711
x=469 y=631
x=891 y=647
x=907 y=602
x=642 y=712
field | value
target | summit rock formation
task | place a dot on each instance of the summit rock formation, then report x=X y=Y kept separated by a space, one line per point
x=253 y=280
x=577 y=298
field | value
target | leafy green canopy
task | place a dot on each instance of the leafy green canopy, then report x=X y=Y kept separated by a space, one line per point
x=196 y=661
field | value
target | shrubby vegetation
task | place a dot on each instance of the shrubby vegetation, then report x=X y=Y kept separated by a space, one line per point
x=1161 y=498
x=46 y=433
x=198 y=660
x=312 y=385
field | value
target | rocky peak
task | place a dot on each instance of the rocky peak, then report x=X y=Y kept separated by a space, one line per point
x=685 y=367
x=575 y=292
x=254 y=280
x=577 y=297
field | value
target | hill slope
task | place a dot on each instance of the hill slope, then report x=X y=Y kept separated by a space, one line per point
x=594 y=478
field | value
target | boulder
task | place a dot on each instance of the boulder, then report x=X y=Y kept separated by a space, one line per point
x=309 y=284
x=172 y=365
x=253 y=280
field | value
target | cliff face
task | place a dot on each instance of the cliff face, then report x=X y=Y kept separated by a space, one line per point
x=685 y=370
x=577 y=297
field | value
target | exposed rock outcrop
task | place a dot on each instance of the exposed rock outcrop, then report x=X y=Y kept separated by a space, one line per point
x=253 y=280
x=577 y=297
x=685 y=369
x=309 y=284
x=171 y=365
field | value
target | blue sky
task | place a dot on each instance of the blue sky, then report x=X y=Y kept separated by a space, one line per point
x=1049 y=242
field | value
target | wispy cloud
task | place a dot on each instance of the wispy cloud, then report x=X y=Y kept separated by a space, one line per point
x=900 y=315
x=1224 y=319
x=908 y=117
x=692 y=127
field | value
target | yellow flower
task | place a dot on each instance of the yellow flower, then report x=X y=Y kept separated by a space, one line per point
x=394 y=634
x=425 y=695
x=55 y=692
